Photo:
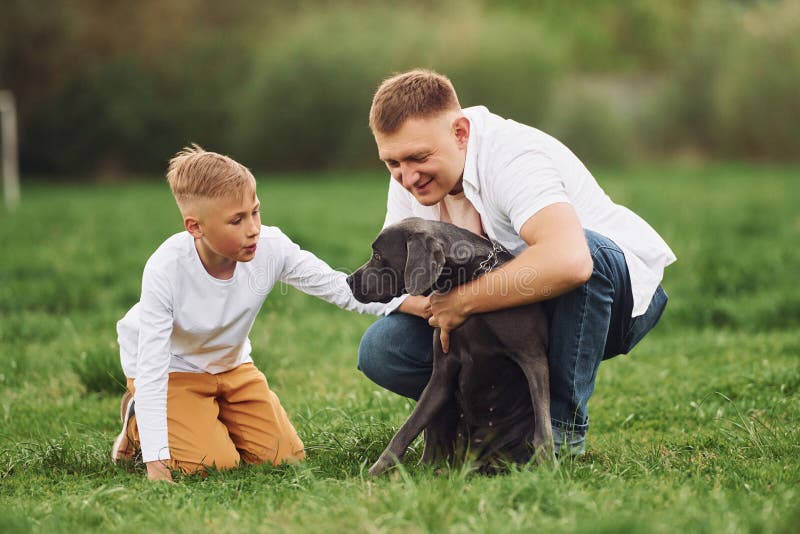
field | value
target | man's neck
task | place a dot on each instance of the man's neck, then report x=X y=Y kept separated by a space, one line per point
x=459 y=187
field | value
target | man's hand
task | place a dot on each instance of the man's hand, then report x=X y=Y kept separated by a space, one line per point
x=419 y=306
x=158 y=471
x=448 y=314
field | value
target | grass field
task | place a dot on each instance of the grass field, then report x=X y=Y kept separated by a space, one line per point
x=696 y=430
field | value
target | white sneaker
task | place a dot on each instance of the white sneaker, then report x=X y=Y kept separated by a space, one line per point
x=124 y=447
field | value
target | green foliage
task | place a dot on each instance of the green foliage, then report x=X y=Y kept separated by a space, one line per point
x=695 y=430
x=313 y=80
x=755 y=105
x=106 y=110
x=743 y=278
x=602 y=36
x=512 y=75
x=308 y=99
x=588 y=124
x=284 y=85
x=99 y=370
x=733 y=88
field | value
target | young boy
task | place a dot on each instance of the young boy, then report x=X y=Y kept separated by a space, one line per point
x=199 y=400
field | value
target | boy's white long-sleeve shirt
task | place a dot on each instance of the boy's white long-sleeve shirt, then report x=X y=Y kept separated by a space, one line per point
x=189 y=321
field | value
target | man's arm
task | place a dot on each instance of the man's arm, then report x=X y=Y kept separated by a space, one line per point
x=556 y=261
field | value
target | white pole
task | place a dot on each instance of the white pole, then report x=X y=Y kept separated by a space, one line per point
x=8 y=117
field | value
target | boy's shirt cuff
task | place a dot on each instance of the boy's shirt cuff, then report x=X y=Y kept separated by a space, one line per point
x=395 y=303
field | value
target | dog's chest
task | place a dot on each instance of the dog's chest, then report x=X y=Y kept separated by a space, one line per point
x=492 y=392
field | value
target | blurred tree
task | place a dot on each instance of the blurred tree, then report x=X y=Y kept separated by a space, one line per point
x=118 y=87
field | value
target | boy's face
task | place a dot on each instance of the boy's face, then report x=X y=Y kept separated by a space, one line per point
x=226 y=229
x=427 y=155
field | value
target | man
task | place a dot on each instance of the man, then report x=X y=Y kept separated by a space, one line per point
x=597 y=264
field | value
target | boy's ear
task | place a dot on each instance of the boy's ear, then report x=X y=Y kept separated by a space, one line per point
x=192 y=225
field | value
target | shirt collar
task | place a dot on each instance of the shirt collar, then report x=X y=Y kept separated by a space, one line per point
x=470 y=175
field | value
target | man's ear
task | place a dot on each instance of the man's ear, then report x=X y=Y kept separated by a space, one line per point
x=192 y=225
x=461 y=130
x=424 y=263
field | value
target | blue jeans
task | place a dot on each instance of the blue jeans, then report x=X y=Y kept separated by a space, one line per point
x=587 y=325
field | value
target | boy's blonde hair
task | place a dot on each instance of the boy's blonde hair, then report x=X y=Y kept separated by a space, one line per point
x=413 y=94
x=197 y=174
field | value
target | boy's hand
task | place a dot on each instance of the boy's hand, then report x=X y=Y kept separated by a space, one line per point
x=419 y=306
x=158 y=471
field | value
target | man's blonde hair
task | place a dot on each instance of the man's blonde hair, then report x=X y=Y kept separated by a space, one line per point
x=197 y=174
x=413 y=94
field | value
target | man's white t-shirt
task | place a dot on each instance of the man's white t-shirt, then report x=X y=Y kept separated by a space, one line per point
x=512 y=171
x=189 y=321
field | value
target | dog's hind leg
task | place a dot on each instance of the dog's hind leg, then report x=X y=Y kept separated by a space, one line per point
x=435 y=396
x=537 y=374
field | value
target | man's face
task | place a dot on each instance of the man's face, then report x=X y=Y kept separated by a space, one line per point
x=427 y=155
x=230 y=228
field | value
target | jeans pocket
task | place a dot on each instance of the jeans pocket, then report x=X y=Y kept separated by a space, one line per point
x=642 y=324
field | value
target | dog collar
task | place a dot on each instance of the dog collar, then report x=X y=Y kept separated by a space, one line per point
x=493 y=260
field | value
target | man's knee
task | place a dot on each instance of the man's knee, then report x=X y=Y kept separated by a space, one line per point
x=610 y=268
x=399 y=333
x=369 y=350
x=600 y=245
x=396 y=352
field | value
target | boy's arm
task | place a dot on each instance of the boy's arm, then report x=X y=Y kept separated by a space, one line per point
x=311 y=275
x=417 y=305
x=152 y=368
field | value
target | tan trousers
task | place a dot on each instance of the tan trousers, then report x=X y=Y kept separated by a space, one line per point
x=220 y=420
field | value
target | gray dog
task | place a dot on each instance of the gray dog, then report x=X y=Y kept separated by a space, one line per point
x=489 y=396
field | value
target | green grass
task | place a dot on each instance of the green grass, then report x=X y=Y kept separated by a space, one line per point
x=696 y=430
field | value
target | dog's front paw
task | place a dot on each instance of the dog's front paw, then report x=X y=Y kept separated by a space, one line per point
x=384 y=462
x=545 y=456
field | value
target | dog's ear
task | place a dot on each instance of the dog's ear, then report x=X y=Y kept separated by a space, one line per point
x=424 y=263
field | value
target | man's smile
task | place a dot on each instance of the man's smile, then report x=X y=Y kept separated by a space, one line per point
x=425 y=184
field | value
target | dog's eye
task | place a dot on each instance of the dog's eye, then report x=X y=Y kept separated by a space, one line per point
x=376 y=256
